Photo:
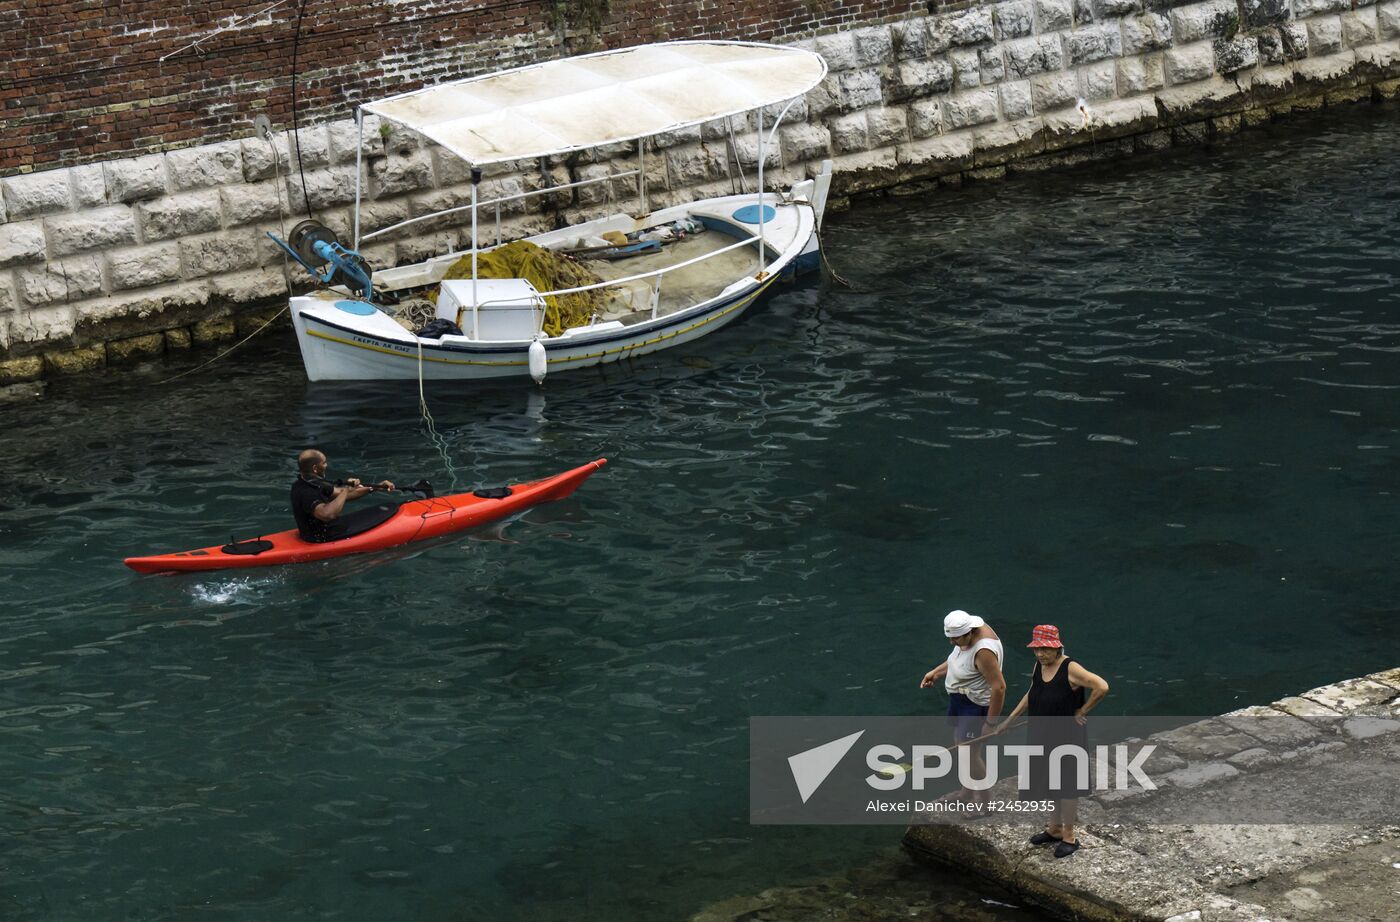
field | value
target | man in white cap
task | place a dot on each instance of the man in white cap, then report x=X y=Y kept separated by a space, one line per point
x=972 y=675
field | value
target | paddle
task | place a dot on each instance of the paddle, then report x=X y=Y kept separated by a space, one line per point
x=422 y=486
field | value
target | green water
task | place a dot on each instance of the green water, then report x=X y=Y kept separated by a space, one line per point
x=1154 y=404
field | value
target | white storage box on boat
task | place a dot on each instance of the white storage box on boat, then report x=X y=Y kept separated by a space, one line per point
x=510 y=309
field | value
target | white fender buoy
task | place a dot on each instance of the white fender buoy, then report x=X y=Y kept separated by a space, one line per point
x=538 y=363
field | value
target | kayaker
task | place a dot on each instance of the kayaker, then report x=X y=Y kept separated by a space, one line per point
x=317 y=503
x=972 y=675
x=1060 y=688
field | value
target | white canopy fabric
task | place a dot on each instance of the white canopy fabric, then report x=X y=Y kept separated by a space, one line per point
x=602 y=98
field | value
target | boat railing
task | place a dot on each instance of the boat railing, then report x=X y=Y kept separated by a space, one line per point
x=499 y=201
x=612 y=283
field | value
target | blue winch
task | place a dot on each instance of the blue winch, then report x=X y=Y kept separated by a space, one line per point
x=319 y=252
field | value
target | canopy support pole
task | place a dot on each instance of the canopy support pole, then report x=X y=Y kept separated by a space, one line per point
x=642 y=175
x=359 y=148
x=476 y=325
x=761 y=157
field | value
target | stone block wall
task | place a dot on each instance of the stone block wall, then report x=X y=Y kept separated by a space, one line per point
x=118 y=259
x=89 y=80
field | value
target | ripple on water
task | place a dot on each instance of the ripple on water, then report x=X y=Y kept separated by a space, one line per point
x=517 y=723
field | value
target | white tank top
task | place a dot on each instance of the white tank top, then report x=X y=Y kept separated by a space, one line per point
x=963 y=677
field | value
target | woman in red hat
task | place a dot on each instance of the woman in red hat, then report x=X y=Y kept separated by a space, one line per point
x=1062 y=688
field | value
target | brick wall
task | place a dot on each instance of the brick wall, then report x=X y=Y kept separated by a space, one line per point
x=92 y=80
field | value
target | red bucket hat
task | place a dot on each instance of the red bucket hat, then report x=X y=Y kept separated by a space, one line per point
x=1045 y=635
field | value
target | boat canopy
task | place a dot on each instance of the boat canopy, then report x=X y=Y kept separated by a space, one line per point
x=602 y=98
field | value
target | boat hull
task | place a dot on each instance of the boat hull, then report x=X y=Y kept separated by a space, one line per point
x=346 y=340
x=415 y=520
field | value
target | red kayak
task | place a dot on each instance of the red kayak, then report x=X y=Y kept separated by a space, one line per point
x=415 y=520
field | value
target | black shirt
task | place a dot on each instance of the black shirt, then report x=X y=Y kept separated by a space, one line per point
x=307 y=494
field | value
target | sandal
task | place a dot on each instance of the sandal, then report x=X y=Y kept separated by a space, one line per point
x=1044 y=838
x=1065 y=849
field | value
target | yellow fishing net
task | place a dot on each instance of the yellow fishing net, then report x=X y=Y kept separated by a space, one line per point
x=547 y=271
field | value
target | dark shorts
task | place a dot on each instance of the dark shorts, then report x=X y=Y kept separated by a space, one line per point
x=965 y=717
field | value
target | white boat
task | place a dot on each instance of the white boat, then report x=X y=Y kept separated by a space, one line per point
x=684 y=286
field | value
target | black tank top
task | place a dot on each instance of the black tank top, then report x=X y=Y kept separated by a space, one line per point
x=1056 y=698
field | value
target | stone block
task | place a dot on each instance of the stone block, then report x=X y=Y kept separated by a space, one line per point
x=1082 y=11
x=396 y=140
x=1118 y=118
x=1051 y=91
x=1382 y=57
x=213 y=330
x=1153 y=141
x=139 y=267
x=89 y=185
x=887 y=126
x=451 y=170
x=179 y=215
x=88 y=230
x=1053 y=15
x=26 y=368
x=341 y=137
x=248 y=287
x=45 y=324
x=697 y=163
x=1294 y=36
x=909 y=39
x=1014 y=20
x=874 y=46
x=1388 y=20
x=21 y=242
x=205 y=165
x=1148 y=32
x=260 y=163
x=863 y=172
x=839 y=50
x=75 y=361
x=970 y=27
x=1325 y=35
x=1119 y=7
x=1016 y=100
x=1085 y=46
x=135 y=348
x=998 y=143
x=936 y=156
x=1140 y=74
x=1204 y=20
x=29 y=195
x=136 y=179
x=394 y=175
x=60 y=280
x=1344 y=697
x=1202 y=98
x=974 y=107
x=1029 y=56
x=824 y=98
x=1389 y=677
x=1302 y=9
x=216 y=253
x=1190 y=63
x=1359 y=27
x=990 y=64
x=1364 y=728
x=859 y=89
x=324 y=188
x=747 y=151
x=925 y=118
x=377 y=215
x=250 y=203
x=8 y=299
x=178 y=338
x=1099 y=81
x=967 y=68
x=1236 y=54
x=1264 y=12
x=922 y=78
x=850 y=133
x=1197 y=774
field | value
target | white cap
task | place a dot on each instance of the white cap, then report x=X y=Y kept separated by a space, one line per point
x=959 y=622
